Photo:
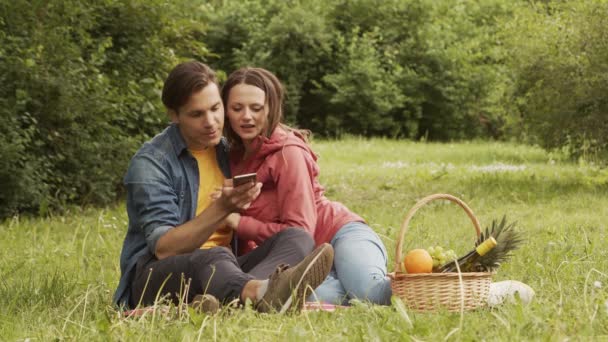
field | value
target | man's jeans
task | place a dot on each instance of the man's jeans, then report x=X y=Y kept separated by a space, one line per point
x=359 y=270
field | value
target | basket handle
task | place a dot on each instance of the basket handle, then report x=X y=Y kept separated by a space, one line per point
x=420 y=204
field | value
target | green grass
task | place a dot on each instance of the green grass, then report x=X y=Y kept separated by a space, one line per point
x=57 y=275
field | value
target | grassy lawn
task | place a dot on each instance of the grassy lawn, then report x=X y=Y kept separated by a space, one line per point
x=57 y=275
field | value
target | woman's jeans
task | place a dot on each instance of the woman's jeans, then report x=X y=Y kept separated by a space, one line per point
x=359 y=270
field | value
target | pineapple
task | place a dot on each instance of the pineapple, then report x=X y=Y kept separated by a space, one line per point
x=507 y=238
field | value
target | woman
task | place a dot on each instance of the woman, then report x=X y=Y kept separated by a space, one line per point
x=291 y=195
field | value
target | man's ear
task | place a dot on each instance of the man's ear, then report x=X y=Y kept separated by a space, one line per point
x=173 y=116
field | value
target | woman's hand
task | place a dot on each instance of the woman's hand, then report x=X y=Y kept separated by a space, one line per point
x=233 y=220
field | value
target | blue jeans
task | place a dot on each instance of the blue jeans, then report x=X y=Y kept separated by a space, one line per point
x=359 y=270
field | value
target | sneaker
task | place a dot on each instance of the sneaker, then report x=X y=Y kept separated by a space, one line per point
x=505 y=291
x=205 y=304
x=288 y=285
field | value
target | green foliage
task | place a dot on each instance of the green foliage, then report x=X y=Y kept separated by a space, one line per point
x=461 y=69
x=439 y=70
x=290 y=38
x=368 y=67
x=80 y=80
x=559 y=60
x=79 y=90
x=364 y=93
x=21 y=179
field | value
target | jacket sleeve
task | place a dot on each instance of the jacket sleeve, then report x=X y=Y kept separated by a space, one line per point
x=293 y=175
x=152 y=202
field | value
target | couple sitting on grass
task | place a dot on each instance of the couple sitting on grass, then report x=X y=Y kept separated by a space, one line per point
x=196 y=238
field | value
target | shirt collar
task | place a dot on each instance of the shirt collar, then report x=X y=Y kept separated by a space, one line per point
x=178 y=142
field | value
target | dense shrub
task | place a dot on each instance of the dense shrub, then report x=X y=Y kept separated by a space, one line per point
x=80 y=80
x=393 y=68
x=559 y=62
x=290 y=38
x=437 y=70
x=79 y=91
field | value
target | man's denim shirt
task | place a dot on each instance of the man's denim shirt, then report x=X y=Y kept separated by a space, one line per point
x=162 y=188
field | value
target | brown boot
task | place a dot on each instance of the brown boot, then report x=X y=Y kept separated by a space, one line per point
x=287 y=286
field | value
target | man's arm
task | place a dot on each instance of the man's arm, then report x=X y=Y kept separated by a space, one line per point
x=192 y=234
x=152 y=205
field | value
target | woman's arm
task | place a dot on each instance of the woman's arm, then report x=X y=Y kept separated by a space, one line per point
x=293 y=175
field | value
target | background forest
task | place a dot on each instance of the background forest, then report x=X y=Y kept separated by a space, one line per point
x=80 y=80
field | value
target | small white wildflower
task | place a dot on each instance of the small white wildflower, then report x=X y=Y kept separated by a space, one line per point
x=499 y=167
x=597 y=284
x=443 y=168
x=394 y=165
x=448 y=166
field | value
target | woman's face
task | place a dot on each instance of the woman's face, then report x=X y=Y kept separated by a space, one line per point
x=247 y=111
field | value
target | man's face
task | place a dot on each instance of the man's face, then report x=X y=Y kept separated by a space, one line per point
x=201 y=119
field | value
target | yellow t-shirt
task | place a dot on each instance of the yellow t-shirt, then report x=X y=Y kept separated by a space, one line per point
x=210 y=178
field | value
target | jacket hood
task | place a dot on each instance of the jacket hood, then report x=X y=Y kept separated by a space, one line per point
x=279 y=139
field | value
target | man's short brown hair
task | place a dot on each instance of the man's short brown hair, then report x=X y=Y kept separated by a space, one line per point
x=183 y=81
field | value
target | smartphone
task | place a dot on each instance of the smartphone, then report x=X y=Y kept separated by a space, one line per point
x=242 y=179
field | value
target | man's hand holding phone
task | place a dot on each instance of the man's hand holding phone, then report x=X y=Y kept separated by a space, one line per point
x=243 y=179
x=238 y=193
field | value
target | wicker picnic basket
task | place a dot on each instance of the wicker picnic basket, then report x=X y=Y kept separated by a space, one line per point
x=433 y=291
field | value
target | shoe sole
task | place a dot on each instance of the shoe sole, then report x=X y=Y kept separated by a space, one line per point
x=314 y=274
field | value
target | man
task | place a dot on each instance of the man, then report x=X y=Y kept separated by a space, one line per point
x=176 y=244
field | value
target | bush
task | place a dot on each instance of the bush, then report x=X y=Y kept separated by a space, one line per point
x=392 y=68
x=559 y=63
x=290 y=38
x=79 y=90
x=80 y=81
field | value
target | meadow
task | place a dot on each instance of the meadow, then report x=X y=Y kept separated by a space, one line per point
x=58 y=274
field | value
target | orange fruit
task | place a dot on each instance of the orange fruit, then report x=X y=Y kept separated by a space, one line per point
x=418 y=261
